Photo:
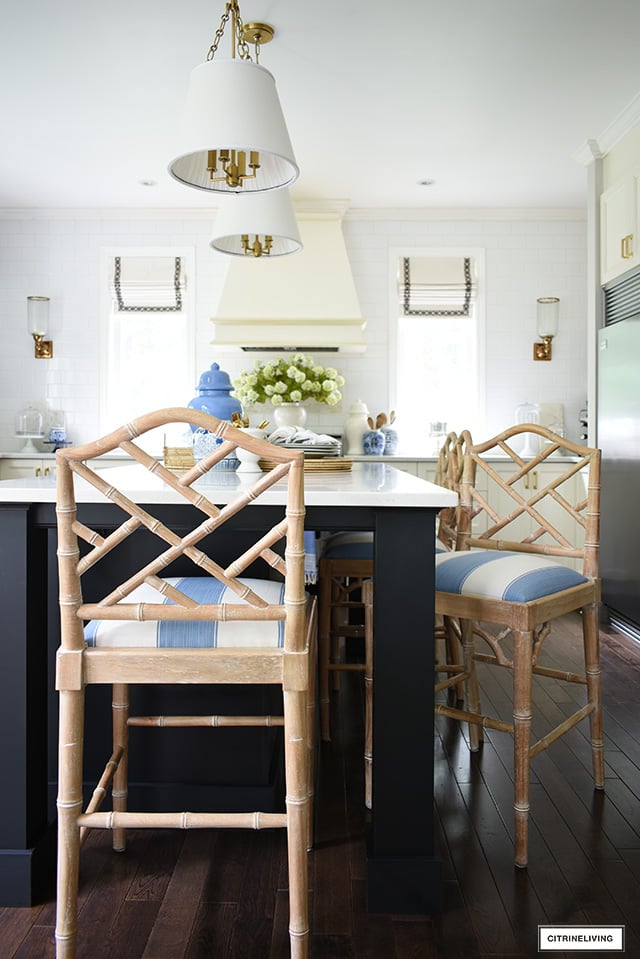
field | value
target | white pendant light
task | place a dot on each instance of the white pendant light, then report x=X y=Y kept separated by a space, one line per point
x=234 y=137
x=257 y=224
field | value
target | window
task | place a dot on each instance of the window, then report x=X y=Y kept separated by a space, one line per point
x=149 y=335
x=435 y=377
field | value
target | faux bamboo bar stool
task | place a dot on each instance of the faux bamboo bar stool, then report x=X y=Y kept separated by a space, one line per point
x=448 y=638
x=515 y=570
x=345 y=562
x=345 y=571
x=216 y=626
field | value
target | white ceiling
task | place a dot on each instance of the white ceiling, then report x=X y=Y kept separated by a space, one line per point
x=490 y=98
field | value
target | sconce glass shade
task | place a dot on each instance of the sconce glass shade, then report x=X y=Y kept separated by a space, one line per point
x=547 y=317
x=257 y=215
x=38 y=315
x=233 y=105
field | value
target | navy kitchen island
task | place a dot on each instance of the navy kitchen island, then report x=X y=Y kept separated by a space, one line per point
x=403 y=870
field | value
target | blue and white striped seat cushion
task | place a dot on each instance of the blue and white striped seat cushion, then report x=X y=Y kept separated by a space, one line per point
x=357 y=545
x=492 y=574
x=187 y=634
x=348 y=545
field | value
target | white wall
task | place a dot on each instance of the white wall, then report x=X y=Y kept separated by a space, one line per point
x=526 y=257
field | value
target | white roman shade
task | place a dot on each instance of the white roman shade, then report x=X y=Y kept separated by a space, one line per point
x=148 y=283
x=436 y=286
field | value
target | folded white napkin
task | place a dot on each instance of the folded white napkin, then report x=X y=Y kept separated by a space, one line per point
x=293 y=434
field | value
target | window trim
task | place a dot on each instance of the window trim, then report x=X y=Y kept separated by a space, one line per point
x=107 y=254
x=396 y=254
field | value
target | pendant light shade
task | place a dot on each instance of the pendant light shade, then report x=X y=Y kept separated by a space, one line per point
x=258 y=224
x=234 y=137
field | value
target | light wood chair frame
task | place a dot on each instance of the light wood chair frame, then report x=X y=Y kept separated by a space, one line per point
x=448 y=637
x=529 y=623
x=345 y=584
x=290 y=667
x=339 y=591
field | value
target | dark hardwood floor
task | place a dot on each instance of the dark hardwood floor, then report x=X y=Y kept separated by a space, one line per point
x=222 y=895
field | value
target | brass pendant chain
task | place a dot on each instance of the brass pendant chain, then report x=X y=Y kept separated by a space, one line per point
x=232 y=10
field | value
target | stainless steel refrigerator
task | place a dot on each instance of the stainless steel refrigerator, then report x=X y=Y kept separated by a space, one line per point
x=618 y=426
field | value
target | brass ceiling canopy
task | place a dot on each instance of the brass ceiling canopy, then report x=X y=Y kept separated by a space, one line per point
x=258 y=33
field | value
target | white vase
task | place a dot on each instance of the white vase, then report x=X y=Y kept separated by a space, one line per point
x=249 y=462
x=290 y=414
x=356 y=425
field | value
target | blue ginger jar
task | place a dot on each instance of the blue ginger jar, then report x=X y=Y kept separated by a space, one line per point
x=373 y=443
x=214 y=395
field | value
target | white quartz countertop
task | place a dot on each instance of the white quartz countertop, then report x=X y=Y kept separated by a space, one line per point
x=366 y=484
x=356 y=457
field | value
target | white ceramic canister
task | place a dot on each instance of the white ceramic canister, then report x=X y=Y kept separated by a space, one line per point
x=356 y=425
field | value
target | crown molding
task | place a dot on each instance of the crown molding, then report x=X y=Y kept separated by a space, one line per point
x=627 y=119
x=467 y=213
x=306 y=209
x=104 y=213
x=588 y=152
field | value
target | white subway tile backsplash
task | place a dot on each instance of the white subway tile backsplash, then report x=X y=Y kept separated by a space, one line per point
x=527 y=258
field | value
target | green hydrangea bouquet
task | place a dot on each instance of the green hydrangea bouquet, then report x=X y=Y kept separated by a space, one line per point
x=291 y=379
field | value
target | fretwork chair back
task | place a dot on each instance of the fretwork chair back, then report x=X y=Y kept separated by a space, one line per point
x=515 y=569
x=216 y=626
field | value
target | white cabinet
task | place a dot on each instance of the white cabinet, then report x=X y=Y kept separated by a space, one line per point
x=619 y=226
x=21 y=468
x=424 y=469
x=499 y=500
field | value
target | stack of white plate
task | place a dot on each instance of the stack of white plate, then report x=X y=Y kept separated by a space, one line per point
x=314 y=449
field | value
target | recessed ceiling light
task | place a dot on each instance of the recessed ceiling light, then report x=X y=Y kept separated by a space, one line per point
x=426 y=182
x=148 y=182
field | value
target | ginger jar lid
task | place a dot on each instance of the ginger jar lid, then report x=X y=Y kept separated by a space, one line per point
x=214 y=379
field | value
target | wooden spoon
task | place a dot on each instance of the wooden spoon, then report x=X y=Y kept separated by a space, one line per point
x=381 y=420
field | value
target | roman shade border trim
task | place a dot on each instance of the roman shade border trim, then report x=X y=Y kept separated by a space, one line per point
x=406 y=293
x=148 y=308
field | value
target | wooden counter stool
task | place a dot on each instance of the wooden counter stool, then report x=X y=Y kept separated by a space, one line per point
x=345 y=586
x=217 y=626
x=514 y=569
x=345 y=562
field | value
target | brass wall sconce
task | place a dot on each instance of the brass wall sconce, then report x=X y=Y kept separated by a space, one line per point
x=38 y=326
x=547 y=324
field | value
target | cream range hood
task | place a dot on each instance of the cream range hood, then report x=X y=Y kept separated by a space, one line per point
x=306 y=301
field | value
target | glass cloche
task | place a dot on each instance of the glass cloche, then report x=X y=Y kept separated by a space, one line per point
x=29 y=426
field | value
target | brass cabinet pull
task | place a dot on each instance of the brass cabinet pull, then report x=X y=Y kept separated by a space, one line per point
x=626 y=248
x=526 y=481
x=46 y=471
x=38 y=471
x=535 y=479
